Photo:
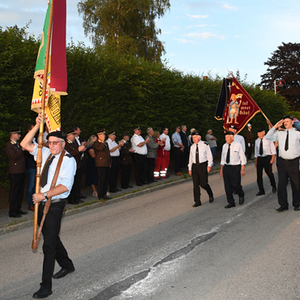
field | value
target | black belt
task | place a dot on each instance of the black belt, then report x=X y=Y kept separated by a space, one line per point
x=288 y=159
x=54 y=201
x=200 y=163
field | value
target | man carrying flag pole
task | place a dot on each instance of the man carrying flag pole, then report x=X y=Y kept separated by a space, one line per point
x=51 y=81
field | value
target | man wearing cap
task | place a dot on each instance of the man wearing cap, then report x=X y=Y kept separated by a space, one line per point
x=114 y=149
x=264 y=153
x=126 y=161
x=178 y=149
x=233 y=161
x=237 y=138
x=288 y=161
x=200 y=164
x=139 y=145
x=103 y=164
x=76 y=151
x=53 y=248
x=16 y=173
x=249 y=141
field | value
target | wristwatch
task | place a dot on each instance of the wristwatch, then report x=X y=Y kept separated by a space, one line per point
x=45 y=195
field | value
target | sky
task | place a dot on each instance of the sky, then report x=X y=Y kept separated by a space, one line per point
x=200 y=37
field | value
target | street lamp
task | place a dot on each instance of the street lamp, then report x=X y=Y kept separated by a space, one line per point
x=279 y=82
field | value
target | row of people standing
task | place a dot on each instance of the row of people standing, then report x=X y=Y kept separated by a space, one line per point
x=151 y=157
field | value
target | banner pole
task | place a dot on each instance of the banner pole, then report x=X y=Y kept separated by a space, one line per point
x=40 y=140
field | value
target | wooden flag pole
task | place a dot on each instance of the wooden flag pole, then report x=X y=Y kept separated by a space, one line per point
x=40 y=140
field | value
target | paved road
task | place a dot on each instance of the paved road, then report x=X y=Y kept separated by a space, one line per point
x=157 y=246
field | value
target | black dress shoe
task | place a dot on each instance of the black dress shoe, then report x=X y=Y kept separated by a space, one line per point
x=80 y=201
x=21 y=212
x=241 y=200
x=274 y=190
x=211 y=199
x=197 y=204
x=14 y=215
x=296 y=208
x=124 y=187
x=106 y=197
x=129 y=186
x=62 y=273
x=139 y=184
x=82 y=197
x=260 y=193
x=281 y=208
x=229 y=205
x=73 y=202
x=42 y=293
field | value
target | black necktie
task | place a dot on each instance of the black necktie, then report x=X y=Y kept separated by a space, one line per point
x=228 y=154
x=286 y=147
x=261 y=151
x=46 y=171
x=197 y=154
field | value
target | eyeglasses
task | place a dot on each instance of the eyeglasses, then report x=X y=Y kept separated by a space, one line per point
x=54 y=143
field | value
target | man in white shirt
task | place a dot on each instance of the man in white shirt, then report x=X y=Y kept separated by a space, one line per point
x=200 y=163
x=237 y=138
x=233 y=161
x=264 y=153
x=166 y=159
x=139 y=145
x=114 y=149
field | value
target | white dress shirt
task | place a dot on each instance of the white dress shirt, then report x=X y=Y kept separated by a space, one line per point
x=237 y=155
x=268 y=147
x=135 y=140
x=66 y=173
x=204 y=153
x=240 y=139
x=112 y=144
x=167 y=141
x=280 y=137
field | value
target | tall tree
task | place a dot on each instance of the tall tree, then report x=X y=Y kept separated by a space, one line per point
x=125 y=26
x=285 y=65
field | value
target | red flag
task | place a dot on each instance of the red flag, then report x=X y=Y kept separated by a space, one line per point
x=240 y=108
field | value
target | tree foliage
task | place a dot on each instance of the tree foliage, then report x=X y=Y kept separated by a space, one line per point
x=106 y=90
x=124 y=26
x=285 y=64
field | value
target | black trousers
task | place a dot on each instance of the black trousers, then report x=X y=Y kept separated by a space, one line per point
x=263 y=163
x=178 y=157
x=140 y=168
x=17 y=182
x=286 y=169
x=249 y=151
x=114 y=173
x=53 y=248
x=103 y=175
x=75 y=192
x=200 y=178
x=232 y=181
x=125 y=175
x=150 y=169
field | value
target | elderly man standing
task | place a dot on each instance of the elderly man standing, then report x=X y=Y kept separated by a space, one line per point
x=76 y=151
x=16 y=173
x=288 y=161
x=53 y=248
x=178 y=149
x=237 y=137
x=114 y=149
x=103 y=164
x=200 y=163
x=139 y=145
x=212 y=141
x=233 y=161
